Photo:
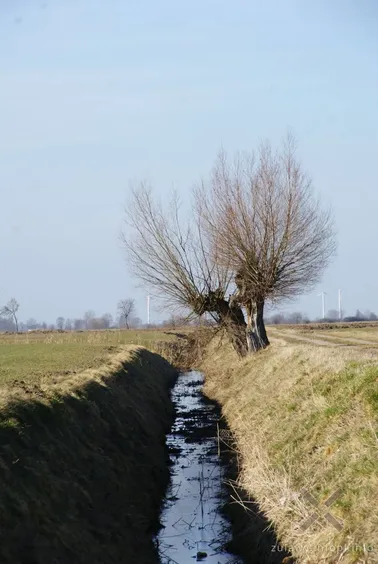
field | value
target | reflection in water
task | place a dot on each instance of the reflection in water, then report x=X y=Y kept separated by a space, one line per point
x=193 y=527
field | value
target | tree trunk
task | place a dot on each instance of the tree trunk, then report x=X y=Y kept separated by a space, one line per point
x=256 y=332
x=230 y=316
x=238 y=337
x=16 y=322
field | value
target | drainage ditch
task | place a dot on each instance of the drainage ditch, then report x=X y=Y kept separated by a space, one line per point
x=194 y=526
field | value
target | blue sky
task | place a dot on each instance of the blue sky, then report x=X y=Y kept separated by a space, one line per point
x=97 y=94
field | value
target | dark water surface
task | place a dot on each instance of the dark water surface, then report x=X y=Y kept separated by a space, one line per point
x=194 y=528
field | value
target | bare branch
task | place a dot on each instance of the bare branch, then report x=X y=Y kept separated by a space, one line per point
x=169 y=253
x=262 y=216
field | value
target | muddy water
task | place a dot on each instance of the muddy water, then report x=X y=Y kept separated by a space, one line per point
x=193 y=526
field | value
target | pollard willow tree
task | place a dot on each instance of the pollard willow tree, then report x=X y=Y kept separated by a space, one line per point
x=257 y=235
x=170 y=253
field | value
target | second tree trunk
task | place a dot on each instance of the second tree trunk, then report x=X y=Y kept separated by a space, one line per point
x=256 y=332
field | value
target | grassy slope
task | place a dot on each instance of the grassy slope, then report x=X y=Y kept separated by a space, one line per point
x=83 y=460
x=306 y=417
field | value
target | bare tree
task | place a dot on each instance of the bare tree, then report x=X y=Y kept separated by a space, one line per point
x=125 y=309
x=264 y=221
x=10 y=310
x=172 y=256
x=60 y=323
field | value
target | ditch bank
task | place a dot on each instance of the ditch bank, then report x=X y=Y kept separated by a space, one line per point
x=84 y=463
x=305 y=425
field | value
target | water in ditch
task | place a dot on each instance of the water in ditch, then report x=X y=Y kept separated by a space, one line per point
x=193 y=527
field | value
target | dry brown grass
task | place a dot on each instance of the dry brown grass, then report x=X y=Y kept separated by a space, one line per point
x=339 y=335
x=355 y=335
x=188 y=350
x=306 y=417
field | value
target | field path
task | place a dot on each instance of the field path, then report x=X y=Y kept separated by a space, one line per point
x=338 y=338
x=322 y=340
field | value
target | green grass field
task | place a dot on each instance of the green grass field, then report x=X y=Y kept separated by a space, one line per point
x=30 y=356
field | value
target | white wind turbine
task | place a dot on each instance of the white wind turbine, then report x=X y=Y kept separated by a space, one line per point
x=323 y=294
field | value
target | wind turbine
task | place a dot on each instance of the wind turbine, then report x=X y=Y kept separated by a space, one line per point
x=148 y=310
x=323 y=294
x=339 y=305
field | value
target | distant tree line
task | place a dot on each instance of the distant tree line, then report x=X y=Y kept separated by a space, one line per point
x=297 y=318
x=366 y=316
x=126 y=318
x=90 y=321
x=290 y=318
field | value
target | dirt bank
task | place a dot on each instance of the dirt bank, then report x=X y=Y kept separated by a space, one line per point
x=83 y=463
x=305 y=420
